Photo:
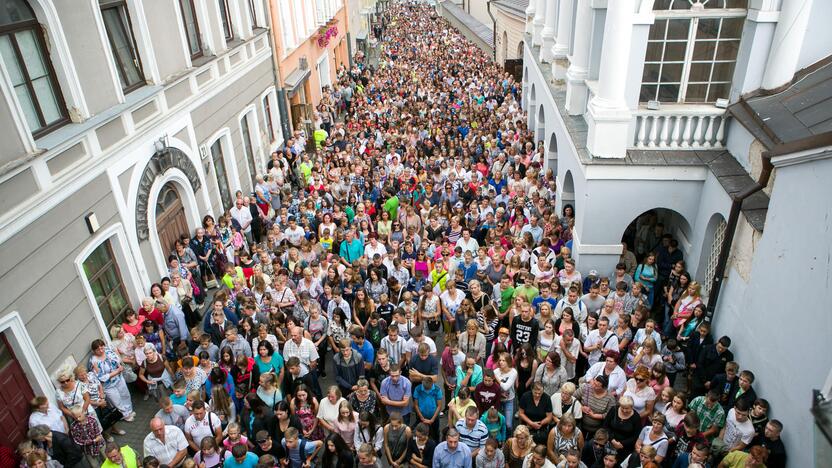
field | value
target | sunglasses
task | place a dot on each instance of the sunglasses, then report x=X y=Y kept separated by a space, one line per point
x=640 y=380
x=63 y=381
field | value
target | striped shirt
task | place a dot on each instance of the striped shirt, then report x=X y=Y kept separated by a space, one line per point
x=473 y=438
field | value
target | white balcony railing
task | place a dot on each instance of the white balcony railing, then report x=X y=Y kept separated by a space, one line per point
x=682 y=127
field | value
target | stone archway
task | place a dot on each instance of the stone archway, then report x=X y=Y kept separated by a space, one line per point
x=567 y=194
x=530 y=108
x=160 y=162
x=540 y=131
x=520 y=49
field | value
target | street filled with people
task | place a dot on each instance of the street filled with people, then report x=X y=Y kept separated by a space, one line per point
x=399 y=290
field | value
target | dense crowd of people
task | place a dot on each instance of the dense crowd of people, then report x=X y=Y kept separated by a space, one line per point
x=399 y=291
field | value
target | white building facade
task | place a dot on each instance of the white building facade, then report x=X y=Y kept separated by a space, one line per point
x=123 y=123
x=629 y=99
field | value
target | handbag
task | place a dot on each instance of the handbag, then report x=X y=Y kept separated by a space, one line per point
x=108 y=416
x=434 y=324
x=129 y=374
x=211 y=282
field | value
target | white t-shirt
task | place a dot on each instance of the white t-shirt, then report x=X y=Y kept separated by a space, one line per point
x=295 y=236
x=198 y=430
x=736 y=431
x=412 y=346
x=594 y=338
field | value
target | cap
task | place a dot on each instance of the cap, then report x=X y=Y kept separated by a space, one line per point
x=593 y=273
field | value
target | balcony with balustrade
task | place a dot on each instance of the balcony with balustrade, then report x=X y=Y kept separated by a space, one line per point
x=695 y=127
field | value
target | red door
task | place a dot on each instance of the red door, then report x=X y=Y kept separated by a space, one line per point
x=15 y=394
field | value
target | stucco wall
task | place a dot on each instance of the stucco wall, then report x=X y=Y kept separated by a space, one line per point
x=41 y=282
x=778 y=318
x=513 y=28
x=818 y=35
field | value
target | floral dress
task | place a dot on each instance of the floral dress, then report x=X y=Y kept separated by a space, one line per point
x=307 y=418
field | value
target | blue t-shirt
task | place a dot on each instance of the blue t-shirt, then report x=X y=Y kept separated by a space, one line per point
x=426 y=399
x=249 y=462
x=177 y=400
x=367 y=352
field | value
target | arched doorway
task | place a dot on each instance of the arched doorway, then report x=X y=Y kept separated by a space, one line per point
x=552 y=154
x=644 y=234
x=505 y=46
x=567 y=194
x=530 y=108
x=540 y=132
x=171 y=222
x=520 y=49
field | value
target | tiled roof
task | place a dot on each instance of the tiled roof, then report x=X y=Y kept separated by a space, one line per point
x=801 y=110
x=515 y=6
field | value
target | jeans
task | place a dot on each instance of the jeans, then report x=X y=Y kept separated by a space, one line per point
x=508 y=412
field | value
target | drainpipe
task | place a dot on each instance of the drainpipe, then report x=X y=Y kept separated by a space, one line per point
x=282 y=108
x=493 y=31
x=731 y=231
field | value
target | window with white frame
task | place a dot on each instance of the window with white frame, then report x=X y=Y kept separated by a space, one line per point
x=691 y=50
x=268 y=118
x=225 y=19
x=320 y=11
x=309 y=18
x=25 y=54
x=300 y=27
x=104 y=278
x=286 y=25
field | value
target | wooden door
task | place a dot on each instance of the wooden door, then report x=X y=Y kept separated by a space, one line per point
x=171 y=222
x=15 y=394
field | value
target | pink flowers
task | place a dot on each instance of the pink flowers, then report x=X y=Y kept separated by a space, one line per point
x=326 y=35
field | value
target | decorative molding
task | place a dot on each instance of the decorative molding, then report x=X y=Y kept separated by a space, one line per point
x=160 y=162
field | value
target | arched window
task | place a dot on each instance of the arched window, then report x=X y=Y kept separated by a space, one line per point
x=24 y=53
x=692 y=50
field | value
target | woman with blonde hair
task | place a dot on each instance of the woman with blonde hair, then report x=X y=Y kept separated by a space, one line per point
x=518 y=447
x=565 y=436
x=683 y=310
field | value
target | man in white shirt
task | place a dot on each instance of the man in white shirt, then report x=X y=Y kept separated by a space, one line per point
x=600 y=340
x=394 y=345
x=201 y=424
x=467 y=243
x=303 y=349
x=166 y=443
x=242 y=214
x=738 y=431
x=294 y=233
x=374 y=247
x=609 y=368
x=417 y=337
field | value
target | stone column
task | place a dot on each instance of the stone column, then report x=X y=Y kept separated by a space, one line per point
x=548 y=34
x=787 y=42
x=576 y=92
x=539 y=15
x=564 y=32
x=530 y=10
x=608 y=116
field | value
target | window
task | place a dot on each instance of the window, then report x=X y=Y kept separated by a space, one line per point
x=191 y=28
x=106 y=284
x=253 y=12
x=286 y=25
x=225 y=17
x=692 y=50
x=222 y=174
x=267 y=111
x=120 y=34
x=248 y=147
x=23 y=51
